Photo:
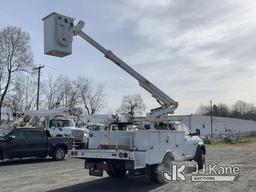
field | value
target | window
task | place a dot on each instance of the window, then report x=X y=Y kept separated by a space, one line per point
x=35 y=135
x=203 y=126
x=4 y=132
x=171 y=126
x=19 y=134
x=161 y=126
x=181 y=127
x=147 y=126
x=114 y=127
x=61 y=123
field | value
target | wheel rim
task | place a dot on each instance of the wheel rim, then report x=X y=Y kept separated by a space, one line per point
x=203 y=158
x=60 y=153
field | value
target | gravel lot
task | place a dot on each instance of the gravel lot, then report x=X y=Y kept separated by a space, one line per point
x=69 y=175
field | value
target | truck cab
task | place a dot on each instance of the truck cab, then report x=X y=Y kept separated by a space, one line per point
x=65 y=127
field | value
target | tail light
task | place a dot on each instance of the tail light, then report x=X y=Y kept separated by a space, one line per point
x=121 y=155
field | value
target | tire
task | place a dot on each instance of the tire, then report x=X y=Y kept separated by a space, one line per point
x=156 y=171
x=201 y=159
x=110 y=173
x=114 y=172
x=59 y=153
x=1 y=156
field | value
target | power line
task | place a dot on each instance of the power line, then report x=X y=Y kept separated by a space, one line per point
x=62 y=72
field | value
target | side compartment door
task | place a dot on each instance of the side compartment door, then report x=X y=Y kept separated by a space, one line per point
x=179 y=145
x=154 y=148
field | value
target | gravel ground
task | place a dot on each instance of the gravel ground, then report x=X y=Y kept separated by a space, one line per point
x=69 y=175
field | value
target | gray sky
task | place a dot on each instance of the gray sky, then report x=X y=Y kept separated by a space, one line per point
x=195 y=51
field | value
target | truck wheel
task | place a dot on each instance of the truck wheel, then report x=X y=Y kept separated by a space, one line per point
x=114 y=172
x=156 y=172
x=1 y=156
x=59 y=153
x=201 y=159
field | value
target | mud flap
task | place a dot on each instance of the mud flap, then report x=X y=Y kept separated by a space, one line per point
x=198 y=150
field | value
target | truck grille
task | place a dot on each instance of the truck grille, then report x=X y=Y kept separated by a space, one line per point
x=77 y=133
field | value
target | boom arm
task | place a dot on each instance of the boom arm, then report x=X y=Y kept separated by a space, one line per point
x=168 y=105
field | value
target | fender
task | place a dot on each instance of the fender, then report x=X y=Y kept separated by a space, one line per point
x=168 y=154
x=200 y=147
x=2 y=154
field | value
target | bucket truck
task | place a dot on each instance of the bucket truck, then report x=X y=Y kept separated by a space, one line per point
x=58 y=122
x=146 y=147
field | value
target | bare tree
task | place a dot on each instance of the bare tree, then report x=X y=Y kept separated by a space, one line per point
x=132 y=104
x=223 y=110
x=240 y=107
x=91 y=95
x=22 y=96
x=15 y=56
x=68 y=92
x=51 y=92
x=219 y=109
x=72 y=94
x=204 y=110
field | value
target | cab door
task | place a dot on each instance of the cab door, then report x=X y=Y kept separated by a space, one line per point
x=189 y=143
x=190 y=146
x=17 y=144
x=37 y=143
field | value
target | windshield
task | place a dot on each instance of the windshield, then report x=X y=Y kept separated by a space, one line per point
x=61 y=123
x=4 y=132
x=181 y=127
x=96 y=128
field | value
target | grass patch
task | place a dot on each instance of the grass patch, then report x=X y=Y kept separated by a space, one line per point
x=239 y=142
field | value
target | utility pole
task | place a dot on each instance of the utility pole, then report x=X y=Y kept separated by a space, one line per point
x=38 y=83
x=211 y=118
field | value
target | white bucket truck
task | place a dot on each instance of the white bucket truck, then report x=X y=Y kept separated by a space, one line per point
x=58 y=122
x=142 y=147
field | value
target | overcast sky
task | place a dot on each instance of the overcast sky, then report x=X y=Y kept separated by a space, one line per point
x=195 y=51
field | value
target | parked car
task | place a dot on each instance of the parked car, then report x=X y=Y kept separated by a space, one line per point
x=32 y=142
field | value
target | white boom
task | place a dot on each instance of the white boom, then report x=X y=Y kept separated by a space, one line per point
x=52 y=112
x=168 y=105
x=58 y=36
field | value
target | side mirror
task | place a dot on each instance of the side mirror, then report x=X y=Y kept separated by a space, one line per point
x=198 y=132
x=11 y=137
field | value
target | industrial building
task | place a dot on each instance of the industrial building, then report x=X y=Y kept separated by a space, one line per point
x=217 y=126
